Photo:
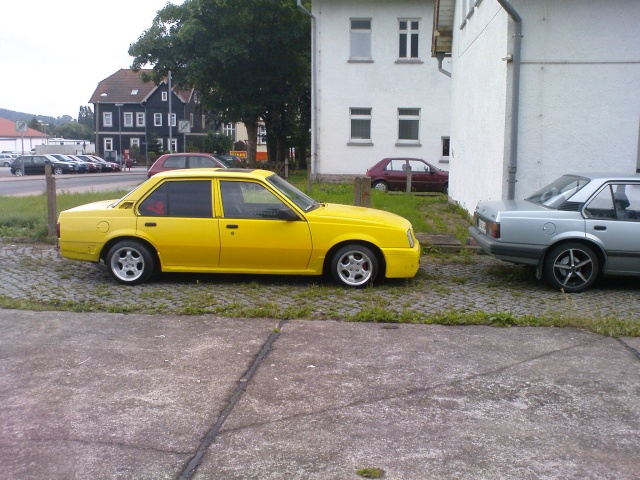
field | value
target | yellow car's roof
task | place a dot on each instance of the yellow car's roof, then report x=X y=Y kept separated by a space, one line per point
x=215 y=172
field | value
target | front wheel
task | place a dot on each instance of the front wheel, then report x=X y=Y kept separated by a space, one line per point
x=571 y=267
x=380 y=185
x=57 y=171
x=130 y=262
x=354 y=266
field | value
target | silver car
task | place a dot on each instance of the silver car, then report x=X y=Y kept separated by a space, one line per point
x=572 y=230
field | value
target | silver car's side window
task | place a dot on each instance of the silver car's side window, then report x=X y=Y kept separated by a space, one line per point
x=616 y=202
x=601 y=206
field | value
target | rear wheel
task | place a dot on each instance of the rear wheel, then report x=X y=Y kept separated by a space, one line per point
x=571 y=267
x=18 y=172
x=57 y=171
x=380 y=185
x=354 y=266
x=130 y=262
x=445 y=189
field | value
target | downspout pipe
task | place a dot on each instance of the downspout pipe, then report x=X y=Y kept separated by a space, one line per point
x=314 y=96
x=515 y=97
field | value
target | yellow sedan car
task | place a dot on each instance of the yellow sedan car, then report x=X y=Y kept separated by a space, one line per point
x=236 y=221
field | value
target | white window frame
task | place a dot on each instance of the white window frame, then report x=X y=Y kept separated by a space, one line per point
x=359 y=114
x=107 y=119
x=107 y=142
x=157 y=119
x=229 y=129
x=171 y=118
x=135 y=142
x=191 y=120
x=262 y=134
x=165 y=96
x=409 y=32
x=174 y=144
x=406 y=115
x=160 y=142
x=128 y=119
x=140 y=119
x=357 y=35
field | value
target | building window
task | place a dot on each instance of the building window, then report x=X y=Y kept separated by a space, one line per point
x=446 y=143
x=191 y=120
x=172 y=119
x=229 y=129
x=128 y=119
x=140 y=119
x=174 y=144
x=204 y=121
x=262 y=134
x=135 y=142
x=408 y=125
x=160 y=142
x=360 y=125
x=165 y=96
x=409 y=35
x=107 y=119
x=108 y=144
x=360 y=39
x=157 y=119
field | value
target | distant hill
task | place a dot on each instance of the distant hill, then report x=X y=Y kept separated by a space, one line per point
x=13 y=116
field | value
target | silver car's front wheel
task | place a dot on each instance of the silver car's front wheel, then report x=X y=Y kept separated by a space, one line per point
x=571 y=267
x=354 y=266
x=130 y=262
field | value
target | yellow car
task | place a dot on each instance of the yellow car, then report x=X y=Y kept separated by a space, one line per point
x=236 y=221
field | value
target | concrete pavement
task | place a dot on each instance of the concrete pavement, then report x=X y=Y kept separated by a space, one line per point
x=103 y=396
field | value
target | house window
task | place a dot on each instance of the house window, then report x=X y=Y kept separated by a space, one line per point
x=446 y=143
x=140 y=119
x=360 y=39
x=229 y=129
x=172 y=119
x=204 y=121
x=108 y=144
x=165 y=96
x=134 y=91
x=157 y=119
x=174 y=144
x=135 y=142
x=191 y=120
x=360 y=125
x=262 y=134
x=409 y=34
x=128 y=119
x=408 y=125
x=160 y=142
x=107 y=119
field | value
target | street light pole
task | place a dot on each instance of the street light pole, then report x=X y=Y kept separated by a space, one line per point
x=119 y=134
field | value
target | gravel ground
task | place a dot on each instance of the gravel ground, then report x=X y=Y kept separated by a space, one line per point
x=36 y=272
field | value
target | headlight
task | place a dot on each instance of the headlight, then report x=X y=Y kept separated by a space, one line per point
x=410 y=237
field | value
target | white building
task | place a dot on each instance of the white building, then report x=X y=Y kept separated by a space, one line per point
x=575 y=106
x=379 y=91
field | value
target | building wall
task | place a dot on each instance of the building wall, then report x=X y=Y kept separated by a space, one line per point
x=382 y=85
x=579 y=97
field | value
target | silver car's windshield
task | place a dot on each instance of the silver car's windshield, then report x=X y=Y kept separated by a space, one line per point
x=558 y=191
x=302 y=200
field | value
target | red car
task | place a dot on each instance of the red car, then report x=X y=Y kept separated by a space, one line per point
x=174 y=161
x=391 y=174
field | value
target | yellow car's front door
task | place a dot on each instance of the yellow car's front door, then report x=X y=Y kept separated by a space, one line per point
x=259 y=232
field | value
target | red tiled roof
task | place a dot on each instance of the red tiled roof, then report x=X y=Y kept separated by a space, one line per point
x=8 y=130
x=126 y=86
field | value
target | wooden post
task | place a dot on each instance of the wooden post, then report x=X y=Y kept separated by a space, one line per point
x=408 y=178
x=362 y=191
x=52 y=207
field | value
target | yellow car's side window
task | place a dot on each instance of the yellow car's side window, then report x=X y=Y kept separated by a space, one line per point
x=250 y=200
x=185 y=198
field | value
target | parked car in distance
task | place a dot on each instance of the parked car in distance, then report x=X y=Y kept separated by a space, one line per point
x=231 y=161
x=573 y=230
x=176 y=161
x=107 y=166
x=35 y=165
x=391 y=174
x=6 y=159
x=82 y=166
x=247 y=222
x=93 y=166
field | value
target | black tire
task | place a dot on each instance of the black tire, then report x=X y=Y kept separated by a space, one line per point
x=130 y=262
x=380 y=185
x=445 y=189
x=354 y=266
x=571 y=266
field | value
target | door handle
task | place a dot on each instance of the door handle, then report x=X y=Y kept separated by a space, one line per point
x=232 y=225
x=150 y=224
x=600 y=228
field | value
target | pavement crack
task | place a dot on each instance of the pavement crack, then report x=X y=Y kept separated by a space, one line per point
x=211 y=435
x=635 y=352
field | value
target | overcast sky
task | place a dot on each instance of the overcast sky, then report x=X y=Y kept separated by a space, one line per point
x=54 y=53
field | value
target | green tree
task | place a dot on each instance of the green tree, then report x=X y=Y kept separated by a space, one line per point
x=86 y=117
x=35 y=124
x=73 y=130
x=217 y=142
x=248 y=59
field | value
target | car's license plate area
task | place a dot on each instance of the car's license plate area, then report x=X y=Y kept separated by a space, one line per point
x=482 y=226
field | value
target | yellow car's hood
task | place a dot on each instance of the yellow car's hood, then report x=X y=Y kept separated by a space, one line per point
x=368 y=215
